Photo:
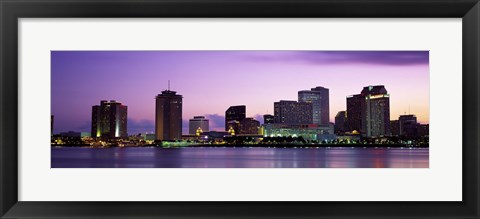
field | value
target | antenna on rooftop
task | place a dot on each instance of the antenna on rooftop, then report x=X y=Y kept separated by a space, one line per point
x=168 y=84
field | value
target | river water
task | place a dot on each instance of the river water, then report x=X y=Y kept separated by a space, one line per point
x=238 y=157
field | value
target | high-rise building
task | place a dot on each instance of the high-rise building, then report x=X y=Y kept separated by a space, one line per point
x=394 y=128
x=249 y=126
x=408 y=125
x=340 y=122
x=319 y=97
x=292 y=112
x=198 y=122
x=233 y=127
x=234 y=113
x=354 y=113
x=168 y=116
x=268 y=119
x=375 y=111
x=109 y=120
x=422 y=130
x=369 y=112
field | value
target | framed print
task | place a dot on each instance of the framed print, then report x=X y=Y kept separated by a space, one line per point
x=298 y=134
x=239 y=109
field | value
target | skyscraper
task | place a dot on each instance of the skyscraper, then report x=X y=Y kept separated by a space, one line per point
x=340 y=122
x=109 y=120
x=394 y=128
x=249 y=126
x=233 y=127
x=319 y=97
x=168 y=116
x=198 y=122
x=292 y=112
x=408 y=125
x=268 y=119
x=369 y=111
x=422 y=130
x=375 y=111
x=354 y=112
x=234 y=113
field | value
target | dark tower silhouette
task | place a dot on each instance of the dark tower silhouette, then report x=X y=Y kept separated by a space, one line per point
x=354 y=113
x=168 y=115
x=234 y=113
x=340 y=122
x=268 y=119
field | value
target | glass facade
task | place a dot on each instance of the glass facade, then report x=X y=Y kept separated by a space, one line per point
x=319 y=98
x=109 y=120
x=369 y=112
x=292 y=112
x=308 y=132
x=375 y=111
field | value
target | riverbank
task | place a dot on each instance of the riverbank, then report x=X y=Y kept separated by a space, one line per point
x=270 y=146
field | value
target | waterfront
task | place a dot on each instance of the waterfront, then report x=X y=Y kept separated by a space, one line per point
x=238 y=157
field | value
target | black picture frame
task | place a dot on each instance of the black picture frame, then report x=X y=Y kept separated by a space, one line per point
x=12 y=10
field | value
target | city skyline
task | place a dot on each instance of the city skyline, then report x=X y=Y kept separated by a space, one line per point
x=130 y=76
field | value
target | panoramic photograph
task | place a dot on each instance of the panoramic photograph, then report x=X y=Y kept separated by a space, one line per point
x=239 y=109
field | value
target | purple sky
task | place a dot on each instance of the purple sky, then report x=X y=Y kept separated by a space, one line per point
x=211 y=81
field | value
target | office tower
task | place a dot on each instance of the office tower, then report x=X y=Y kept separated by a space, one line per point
x=354 y=113
x=408 y=125
x=249 y=126
x=198 y=122
x=109 y=120
x=422 y=130
x=340 y=122
x=319 y=97
x=268 y=119
x=292 y=112
x=233 y=127
x=394 y=128
x=168 y=116
x=375 y=111
x=234 y=113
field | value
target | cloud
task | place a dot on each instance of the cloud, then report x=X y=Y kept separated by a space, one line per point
x=85 y=127
x=259 y=118
x=140 y=126
x=217 y=122
x=393 y=58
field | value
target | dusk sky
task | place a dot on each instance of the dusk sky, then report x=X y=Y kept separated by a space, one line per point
x=211 y=81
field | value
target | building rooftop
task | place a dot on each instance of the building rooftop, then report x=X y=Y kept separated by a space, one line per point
x=376 y=89
x=168 y=93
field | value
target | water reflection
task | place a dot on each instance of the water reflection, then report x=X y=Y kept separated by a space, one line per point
x=239 y=157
